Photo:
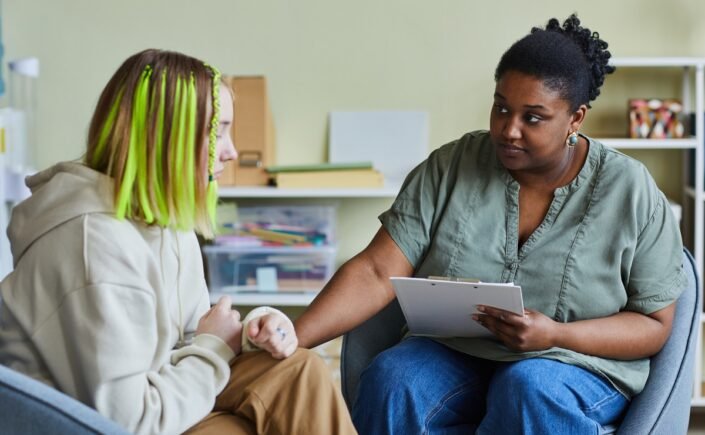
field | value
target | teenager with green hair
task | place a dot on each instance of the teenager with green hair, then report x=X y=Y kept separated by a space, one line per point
x=108 y=301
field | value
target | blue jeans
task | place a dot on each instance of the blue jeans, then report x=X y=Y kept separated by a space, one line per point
x=423 y=387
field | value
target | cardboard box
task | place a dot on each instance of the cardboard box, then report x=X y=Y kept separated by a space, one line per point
x=252 y=132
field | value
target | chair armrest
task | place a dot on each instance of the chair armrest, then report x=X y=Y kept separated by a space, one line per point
x=29 y=407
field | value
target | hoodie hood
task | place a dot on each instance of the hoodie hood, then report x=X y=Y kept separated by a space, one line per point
x=59 y=194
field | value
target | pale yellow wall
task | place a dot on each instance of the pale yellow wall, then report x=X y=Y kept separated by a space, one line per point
x=321 y=55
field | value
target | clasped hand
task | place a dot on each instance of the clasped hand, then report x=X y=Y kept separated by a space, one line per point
x=530 y=332
x=271 y=332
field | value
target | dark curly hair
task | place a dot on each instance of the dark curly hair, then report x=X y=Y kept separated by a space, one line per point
x=569 y=59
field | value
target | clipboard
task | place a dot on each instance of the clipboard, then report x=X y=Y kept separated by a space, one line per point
x=443 y=308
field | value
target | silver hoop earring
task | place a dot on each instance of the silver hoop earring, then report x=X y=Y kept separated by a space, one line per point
x=572 y=139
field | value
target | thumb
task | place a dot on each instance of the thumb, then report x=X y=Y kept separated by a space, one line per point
x=224 y=303
x=253 y=327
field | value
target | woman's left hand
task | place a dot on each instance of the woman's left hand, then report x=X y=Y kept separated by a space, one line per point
x=273 y=333
x=532 y=331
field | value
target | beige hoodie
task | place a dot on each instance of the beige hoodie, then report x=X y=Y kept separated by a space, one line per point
x=105 y=310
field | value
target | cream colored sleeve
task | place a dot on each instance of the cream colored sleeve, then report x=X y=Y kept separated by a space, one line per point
x=102 y=344
x=247 y=345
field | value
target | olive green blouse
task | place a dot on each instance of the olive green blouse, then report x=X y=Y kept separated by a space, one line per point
x=608 y=243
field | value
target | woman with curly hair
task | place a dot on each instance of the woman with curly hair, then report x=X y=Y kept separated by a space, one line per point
x=582 y=228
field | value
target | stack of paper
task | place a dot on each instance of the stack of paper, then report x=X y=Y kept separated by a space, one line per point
x=326 y=175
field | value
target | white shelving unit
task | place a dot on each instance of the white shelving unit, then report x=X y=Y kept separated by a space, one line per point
x=692 y=70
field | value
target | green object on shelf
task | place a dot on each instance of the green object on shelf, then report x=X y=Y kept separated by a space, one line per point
x=319 y=167
x=226 y=217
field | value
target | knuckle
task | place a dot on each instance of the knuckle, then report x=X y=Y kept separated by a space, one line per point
x=269 y=328
x=223 y=308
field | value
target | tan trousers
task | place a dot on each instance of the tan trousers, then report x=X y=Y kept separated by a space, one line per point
x=268 y=396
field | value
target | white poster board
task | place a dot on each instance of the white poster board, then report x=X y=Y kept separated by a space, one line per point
x=394 y=141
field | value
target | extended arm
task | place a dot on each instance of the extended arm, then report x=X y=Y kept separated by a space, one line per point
x=625 y=335
x=357 y=291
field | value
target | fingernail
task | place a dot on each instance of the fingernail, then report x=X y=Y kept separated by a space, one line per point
x=475 y=317
x=481 y=308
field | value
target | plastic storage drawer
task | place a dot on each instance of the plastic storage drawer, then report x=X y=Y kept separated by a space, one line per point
x=268 y=269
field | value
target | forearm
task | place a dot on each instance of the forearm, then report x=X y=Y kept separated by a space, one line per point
x=355 y=293
x=202 y=369
x=624 y=336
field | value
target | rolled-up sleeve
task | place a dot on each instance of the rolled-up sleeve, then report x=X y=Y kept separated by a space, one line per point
x=657 y=277
x=409 y=220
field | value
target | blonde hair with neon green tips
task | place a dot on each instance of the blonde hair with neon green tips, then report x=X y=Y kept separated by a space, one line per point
x=148 y=133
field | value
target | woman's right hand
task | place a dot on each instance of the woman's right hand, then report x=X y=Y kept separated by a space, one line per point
x=224 y=322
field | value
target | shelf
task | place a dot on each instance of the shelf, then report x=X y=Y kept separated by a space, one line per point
x=690 y=192
x=275 y=299
x=673 y=62
x=273 y=192
x=656 y=144
x=244 y=249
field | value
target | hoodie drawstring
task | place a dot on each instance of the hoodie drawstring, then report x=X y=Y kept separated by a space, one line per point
x=182 y=341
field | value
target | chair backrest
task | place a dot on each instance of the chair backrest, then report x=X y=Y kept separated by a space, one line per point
x=363 y=343
x=29 y=407
x=662 y=407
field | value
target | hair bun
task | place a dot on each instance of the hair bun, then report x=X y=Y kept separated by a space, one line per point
x=594 y=49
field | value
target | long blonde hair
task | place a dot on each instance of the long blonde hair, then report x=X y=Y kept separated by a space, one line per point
x=147 y=133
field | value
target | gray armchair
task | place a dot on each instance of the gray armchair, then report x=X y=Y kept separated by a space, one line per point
x=29 y=407
x=662 y=408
